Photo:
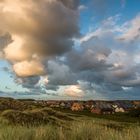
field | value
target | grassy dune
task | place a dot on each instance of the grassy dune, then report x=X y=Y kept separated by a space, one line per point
x=22 y=121
x=82 y=130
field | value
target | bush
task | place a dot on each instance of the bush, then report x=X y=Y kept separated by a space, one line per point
x=134 y=113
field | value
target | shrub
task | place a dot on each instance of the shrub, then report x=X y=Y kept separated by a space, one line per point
x=134 y=113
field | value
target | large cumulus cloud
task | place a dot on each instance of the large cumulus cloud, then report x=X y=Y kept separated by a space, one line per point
x=38 y=31
x=38 y=28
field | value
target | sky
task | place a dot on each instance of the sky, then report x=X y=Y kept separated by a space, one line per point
x=70 y=49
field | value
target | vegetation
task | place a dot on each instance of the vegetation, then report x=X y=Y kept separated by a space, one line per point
x=83 y=130
x=35 y=117
x=133 y=116
x=25 y=121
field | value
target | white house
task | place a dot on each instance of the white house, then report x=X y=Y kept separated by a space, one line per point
x=119 y=109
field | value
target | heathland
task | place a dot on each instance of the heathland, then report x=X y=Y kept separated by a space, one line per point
x=29 y=120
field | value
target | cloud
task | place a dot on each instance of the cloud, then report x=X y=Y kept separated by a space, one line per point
x=131 y=31
x=74 y=91
x=28 y=82
x=18 y=54
x=28 y=68
x=73 y=4
x=103 y=60
x=47 y=28
x=5 y=39
x=60 y=74
x=82 y=7
x=91 y=56
x=52 y=87
x=43 y=29
x=99 y=68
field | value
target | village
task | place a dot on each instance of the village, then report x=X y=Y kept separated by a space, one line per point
x=92 y=106
x=96 y=107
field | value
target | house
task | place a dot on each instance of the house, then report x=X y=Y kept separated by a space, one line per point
x=136 y=104
x=119 y=109
x=102 y=107
x=89 y=104
x=68 y=105
x=125 y=105
x=53 y=104
x=97 y=110
x=107 y=111
x=62 y=105
x=77 y=107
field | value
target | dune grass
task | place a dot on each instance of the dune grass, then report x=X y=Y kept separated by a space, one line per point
x=84 y=129
x=19 y=121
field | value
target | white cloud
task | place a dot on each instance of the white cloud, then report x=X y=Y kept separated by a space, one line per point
x=82 y=7
x=74 y=91
x=131 y=31
x=28 y=68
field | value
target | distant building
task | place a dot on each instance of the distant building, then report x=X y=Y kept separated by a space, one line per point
x=62 y=105
x=96 y=110
x=102 y=107
x=102 y=110
x=136 y=104
x=89 y=104
x=119 y=109
x=68 y=105
x=77 y=107
x=123 y=106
